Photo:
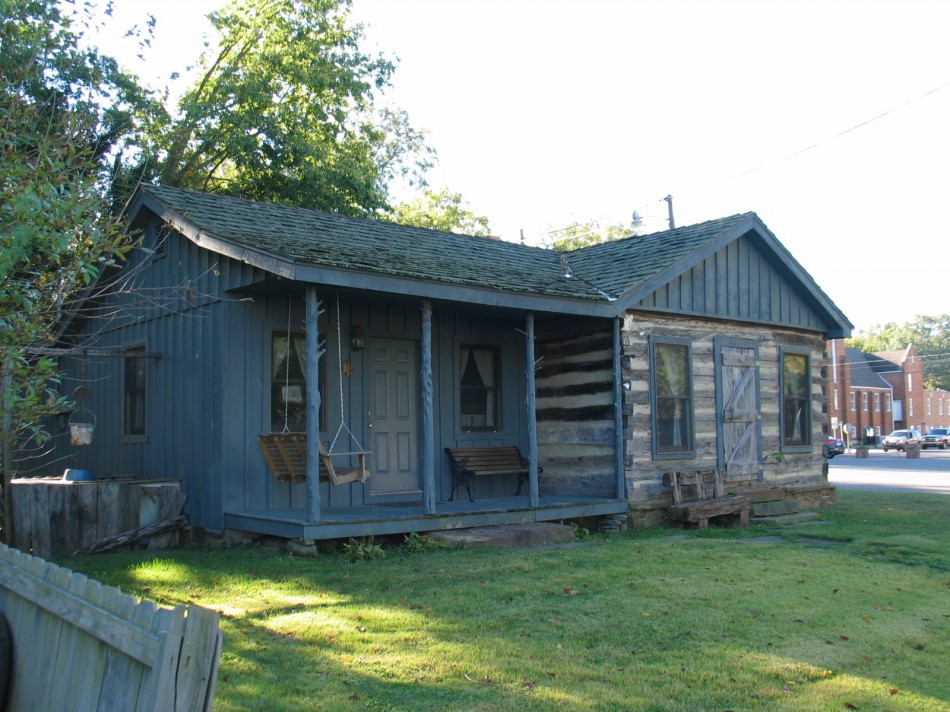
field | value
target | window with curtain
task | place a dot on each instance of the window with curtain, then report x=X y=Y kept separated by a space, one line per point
x=288 y=393
x=479 y=389
x=134 y=386
x=672 y=398
x=796 y=400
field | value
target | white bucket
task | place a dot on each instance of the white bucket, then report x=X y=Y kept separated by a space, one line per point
x=81 y=432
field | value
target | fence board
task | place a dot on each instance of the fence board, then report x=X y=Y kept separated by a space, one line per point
x=81 y=645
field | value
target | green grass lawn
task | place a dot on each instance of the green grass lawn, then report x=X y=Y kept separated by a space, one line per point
x=850 y=612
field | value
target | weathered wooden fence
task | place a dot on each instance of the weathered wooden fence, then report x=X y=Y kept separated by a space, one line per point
x=54 y=518
x=79 y=645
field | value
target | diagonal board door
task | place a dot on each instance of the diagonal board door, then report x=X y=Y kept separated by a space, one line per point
x=394 y=420
x=737 y=399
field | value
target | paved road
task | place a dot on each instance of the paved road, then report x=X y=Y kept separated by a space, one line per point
x=892 y=471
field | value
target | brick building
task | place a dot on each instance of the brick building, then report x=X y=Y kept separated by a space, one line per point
x=871 y=394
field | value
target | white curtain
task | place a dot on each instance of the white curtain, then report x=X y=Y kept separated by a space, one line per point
x=279 y=356
x=484 y=361
x=676 y=384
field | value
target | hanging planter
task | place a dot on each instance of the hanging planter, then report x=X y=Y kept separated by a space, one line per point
x=82 y=427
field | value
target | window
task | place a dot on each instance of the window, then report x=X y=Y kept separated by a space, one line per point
x=288 y=393
x=887 y=402
x=853 y=402
x=910 y=382
x=910 y=406
x=796 y=400
x=930 y=407
x=877 y=402
x=479 y=389
x=670 y=370
x=134 y=386
x=864 y=402
x=836 y=400
x=940 y=407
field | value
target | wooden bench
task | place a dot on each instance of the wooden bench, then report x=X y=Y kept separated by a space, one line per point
x=698 y=496
x=469 y=462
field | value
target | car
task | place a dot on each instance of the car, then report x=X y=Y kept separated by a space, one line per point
x=899 y=439
x=936 y=437
x=835 y=446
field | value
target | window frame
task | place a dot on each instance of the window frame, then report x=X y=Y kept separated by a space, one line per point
x=134 y=395
x=493 y=393
x=279 y=378
x=689 y=452
x=808 y=444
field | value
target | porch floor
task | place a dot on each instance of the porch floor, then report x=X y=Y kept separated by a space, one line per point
x=400 y=518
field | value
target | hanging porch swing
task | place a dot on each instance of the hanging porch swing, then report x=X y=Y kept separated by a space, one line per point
x=286 y=452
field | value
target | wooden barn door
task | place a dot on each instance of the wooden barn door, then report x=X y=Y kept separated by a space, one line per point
x=394 y=420
x=738 y=405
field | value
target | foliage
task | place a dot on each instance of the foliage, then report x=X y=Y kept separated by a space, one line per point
x=930 y=335
x=578 y=235
x=416 y=543
x=55 y=233
x=363 y=549
x=846 y=613
x=580 y=532
x=441 y=211
x=283 y=111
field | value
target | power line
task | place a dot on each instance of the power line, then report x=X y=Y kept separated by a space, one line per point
x=840 y=134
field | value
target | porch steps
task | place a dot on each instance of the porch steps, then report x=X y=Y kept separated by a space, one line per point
x=505 y=536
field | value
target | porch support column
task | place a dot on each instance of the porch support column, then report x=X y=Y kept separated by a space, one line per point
x=313 y=406
x=618 y=412
x=428 y=437
x=532 y=412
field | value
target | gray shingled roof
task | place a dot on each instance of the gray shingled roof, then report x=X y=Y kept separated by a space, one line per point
x=375 y=246
x=309 y=237
x=619 y=266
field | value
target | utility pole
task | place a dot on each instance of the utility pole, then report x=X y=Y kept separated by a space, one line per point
x=669 y=205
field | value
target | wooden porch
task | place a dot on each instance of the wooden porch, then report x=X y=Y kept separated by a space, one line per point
x=400 y=518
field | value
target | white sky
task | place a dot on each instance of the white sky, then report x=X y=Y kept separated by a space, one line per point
x=548 y=111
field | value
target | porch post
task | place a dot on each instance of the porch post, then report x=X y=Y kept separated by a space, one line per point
x=313 y=406
x=618 y=412
x=428 y=438
x=532 y=413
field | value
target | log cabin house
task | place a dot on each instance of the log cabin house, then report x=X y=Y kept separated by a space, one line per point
x=246 y=337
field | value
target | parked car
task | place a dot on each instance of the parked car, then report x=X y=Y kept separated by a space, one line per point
x=899 y=439
x=936 y=437
x=835 y=446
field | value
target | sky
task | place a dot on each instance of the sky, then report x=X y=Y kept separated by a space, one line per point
x=830 y=119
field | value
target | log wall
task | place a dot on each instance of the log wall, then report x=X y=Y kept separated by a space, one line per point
x=649 y=498
x=574 y=405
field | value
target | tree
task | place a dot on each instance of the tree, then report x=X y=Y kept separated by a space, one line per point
x=61 y=111
x=578 y=235
x=284 y=111
x=441 y=211
x=930 y=335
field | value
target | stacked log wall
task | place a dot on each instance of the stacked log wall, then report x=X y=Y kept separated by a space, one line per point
x=649 y=498
x=575 y=406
